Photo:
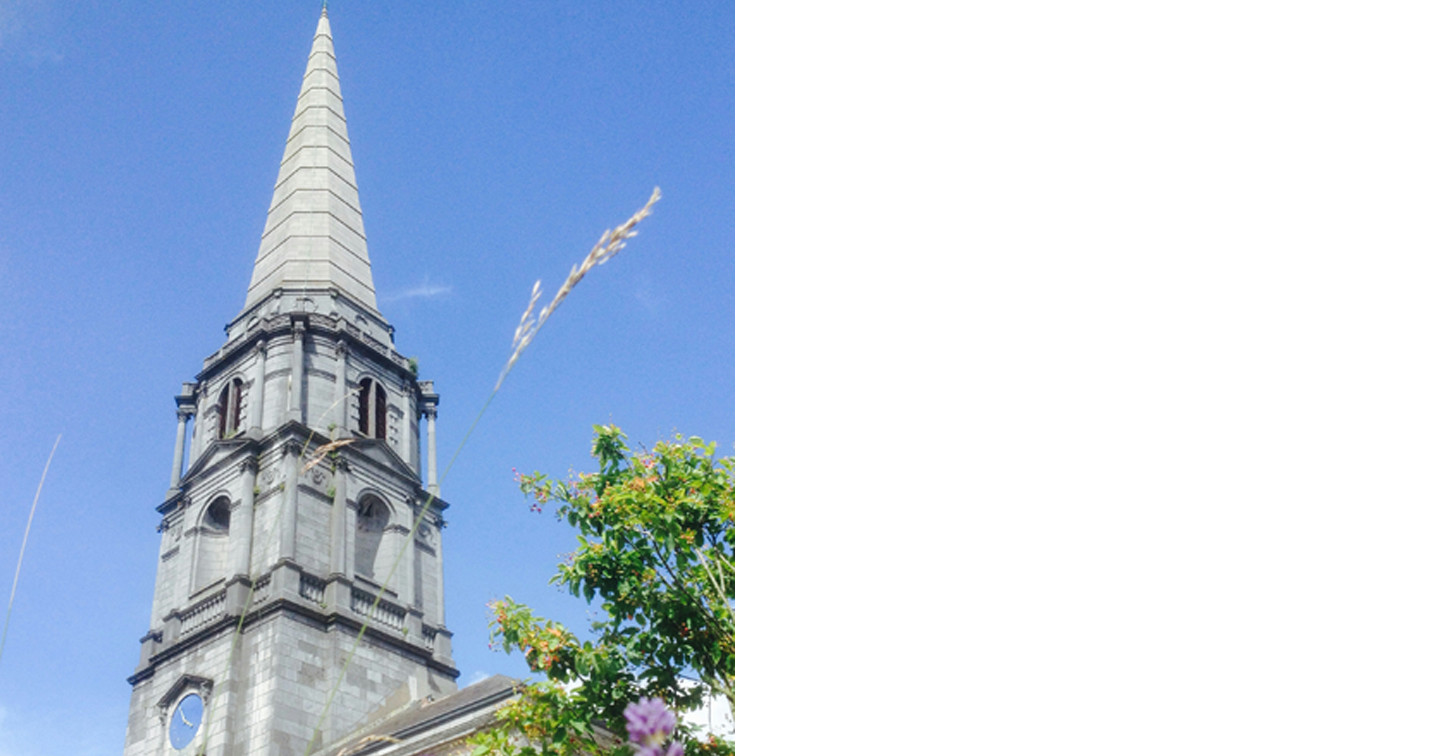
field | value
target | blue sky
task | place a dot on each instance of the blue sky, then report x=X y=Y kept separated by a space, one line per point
x=492 y=142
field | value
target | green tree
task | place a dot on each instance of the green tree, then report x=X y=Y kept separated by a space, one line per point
x=657 y=547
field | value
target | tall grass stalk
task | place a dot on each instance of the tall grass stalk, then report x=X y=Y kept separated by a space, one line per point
x=23 y=540
x=611 y=242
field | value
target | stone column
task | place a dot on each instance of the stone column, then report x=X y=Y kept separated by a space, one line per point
x=342 y=400
x=242 y=520
x=429 y=401
x=339 y=532
x=289 y=502
x=294 y=409
x=180 y=417
x=257 y=395
x=184 y=410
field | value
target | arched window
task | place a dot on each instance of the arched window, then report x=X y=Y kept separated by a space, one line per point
x=210 y=561
x=372 y=409
x=217 y=517
x=228 y=409
x=370 y=522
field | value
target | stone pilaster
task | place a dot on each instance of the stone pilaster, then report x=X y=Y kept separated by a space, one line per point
x=437 y=612
x=289 y=502
x=404 y=584
x=342 y=400
x=257 y=393
x=242 y=521
x=407 y=411
x=339 y=520
x=199 y=439
x=294 y=409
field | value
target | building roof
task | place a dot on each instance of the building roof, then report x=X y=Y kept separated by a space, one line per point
x=429 y=726
x=314 y=236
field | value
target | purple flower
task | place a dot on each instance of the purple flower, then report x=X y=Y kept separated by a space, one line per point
x=650 y=724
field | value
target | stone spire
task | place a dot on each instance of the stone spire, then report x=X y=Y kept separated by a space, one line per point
x=262 y=549
x=314 y=237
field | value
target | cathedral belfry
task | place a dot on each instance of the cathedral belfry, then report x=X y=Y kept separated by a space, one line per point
x=302 y=516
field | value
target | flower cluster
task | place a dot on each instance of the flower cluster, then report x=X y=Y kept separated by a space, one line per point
x=650 y=724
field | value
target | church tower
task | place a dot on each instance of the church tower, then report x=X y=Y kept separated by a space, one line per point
x=302 y=521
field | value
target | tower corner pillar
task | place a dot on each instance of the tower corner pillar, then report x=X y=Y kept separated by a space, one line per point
x=184 y=410
x=429 y=404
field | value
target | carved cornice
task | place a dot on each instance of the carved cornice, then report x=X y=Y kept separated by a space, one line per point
x=286 y=324
x=185 y=401
x=340 y=615
x=429 y=400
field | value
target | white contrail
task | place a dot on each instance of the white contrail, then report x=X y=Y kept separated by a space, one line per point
x=23 y=540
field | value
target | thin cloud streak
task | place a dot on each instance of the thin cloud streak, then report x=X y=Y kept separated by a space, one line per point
x=425 y=290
